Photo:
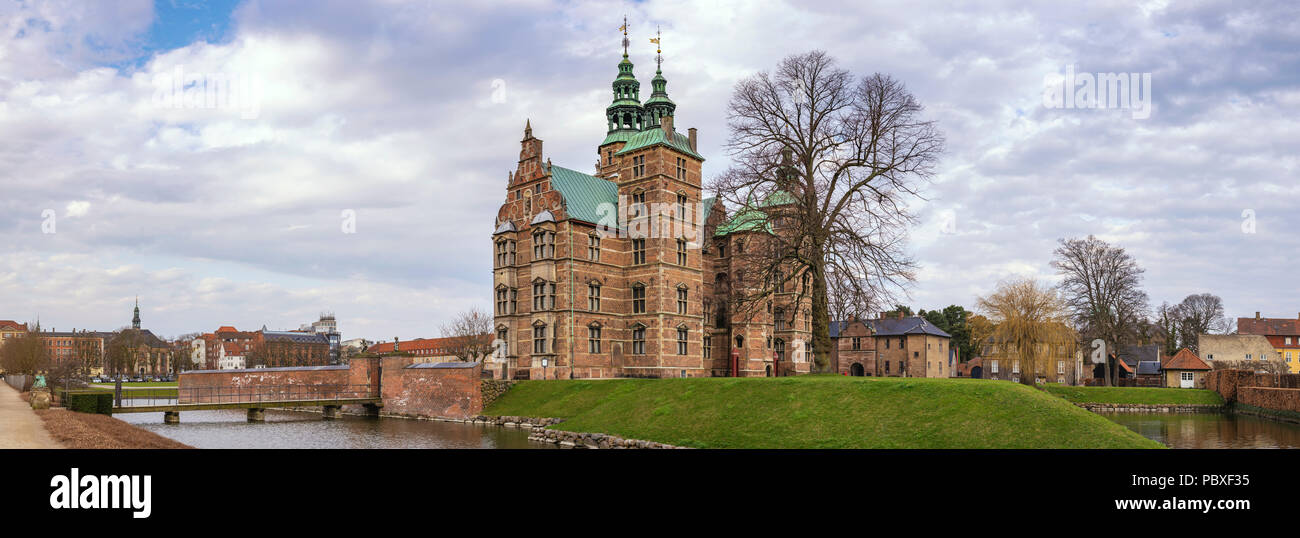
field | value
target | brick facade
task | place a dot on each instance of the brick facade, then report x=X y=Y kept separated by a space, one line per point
x=619 y=274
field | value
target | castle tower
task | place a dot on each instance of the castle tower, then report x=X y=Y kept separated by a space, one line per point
x=135 y=320
x=625 y=116
x=658 y=106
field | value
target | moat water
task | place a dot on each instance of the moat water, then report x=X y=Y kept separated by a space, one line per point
x=291 y=429
x=1210 y=430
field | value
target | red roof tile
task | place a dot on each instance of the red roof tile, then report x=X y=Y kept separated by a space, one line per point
x=1186 y=360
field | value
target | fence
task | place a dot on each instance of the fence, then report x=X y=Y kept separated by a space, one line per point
x=20 y=382
x=273 y=393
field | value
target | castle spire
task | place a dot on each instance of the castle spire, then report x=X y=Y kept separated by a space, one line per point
x=625 y=115
x=658 y=106
x=135 y=320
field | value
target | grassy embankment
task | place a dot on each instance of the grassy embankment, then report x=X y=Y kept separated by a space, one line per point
x=819 y=412
x=1135 y=395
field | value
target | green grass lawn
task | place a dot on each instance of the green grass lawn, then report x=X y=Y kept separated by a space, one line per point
x=1135 y=395
x=819 y=412
x=171 y=384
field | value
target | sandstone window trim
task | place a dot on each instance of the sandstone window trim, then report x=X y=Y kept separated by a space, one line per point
x=593 y=247
x=638 y=298
x=638 y=339
x=593 y=296
x=681 y=168
x=683 y=336
x=683 y=297
x=708 y=346
x=681 y=251
x=638 y=166
x=638 y=251
x=593 y=338
x=539 y=338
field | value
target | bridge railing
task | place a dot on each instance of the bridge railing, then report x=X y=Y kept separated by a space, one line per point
x=257 y=393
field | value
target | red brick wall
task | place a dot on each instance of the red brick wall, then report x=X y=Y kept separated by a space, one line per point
x=201 y=386
x=432 y=392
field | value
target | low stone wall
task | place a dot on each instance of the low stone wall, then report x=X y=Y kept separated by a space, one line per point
x=559 y=437
x=493 y=389
x=1150 y=408
x=449 y=390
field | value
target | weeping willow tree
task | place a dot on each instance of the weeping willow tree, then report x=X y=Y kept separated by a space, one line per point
x=1029 y=320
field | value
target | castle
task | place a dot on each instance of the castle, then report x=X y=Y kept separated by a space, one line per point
x=631 y=271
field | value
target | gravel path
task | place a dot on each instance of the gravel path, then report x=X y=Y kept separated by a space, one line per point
x=20 y=427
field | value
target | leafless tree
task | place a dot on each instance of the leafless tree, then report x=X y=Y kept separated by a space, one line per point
x=470 y=334
x=825 y=164
x=1102 y=286
x=25 y=353
x=1271 y=366
x=1029 y=323
x=1200 y=314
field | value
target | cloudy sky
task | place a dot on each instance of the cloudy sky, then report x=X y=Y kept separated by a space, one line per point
x=399 y=121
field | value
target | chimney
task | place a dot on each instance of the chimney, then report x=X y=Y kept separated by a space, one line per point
x=900 y=314
x=667 y=123
x=1256 y=314
x=691 y=134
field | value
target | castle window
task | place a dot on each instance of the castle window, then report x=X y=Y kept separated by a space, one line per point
x=638 y=251
x=722 y=249
x=681 y=252
x=539 y=339
x=681 y=205
x=609 y=157
x=780 y=281
x=682 y=335
x=503 y=335
x=537 y=188
x=780 y=349
x=593 y=247
x=708 y=346
x=708 y=313
x=543 y=244
x=638 y=341
x=857 y=343
x=514 y=300
x=543 y=296
x=780 y=319
x=501 y=253
x=638 y=299
x=740 y=246
x=638 y=204
x=593 y=297
x=593 y=339
x=638 y=166
x=681 y=300
x=502 y=301
x=681 y=168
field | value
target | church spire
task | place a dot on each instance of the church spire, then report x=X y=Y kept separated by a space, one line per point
x=625 y=115
x=135 y=320
x=659 y=105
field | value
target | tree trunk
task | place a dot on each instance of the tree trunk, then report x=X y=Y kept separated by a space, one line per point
x=821 y=336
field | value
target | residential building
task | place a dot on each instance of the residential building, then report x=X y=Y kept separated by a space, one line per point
x=1237 y=348
x=1282 y=333
x=10 y=329
x=910 y=346
x=1060 y=363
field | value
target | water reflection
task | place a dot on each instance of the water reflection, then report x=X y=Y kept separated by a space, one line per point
x=288 y=429
x=1210 y=430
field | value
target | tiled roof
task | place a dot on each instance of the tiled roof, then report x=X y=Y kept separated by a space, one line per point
x=583 y=194
x=10 y=325
x=1148 y=367
x=1269 y=326
x=1132 y=354
x=654 y=136
x=439 y=345
x=1186 y=360
x=906 y=325
x=296 y=337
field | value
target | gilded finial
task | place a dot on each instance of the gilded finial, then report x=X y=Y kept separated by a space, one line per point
x=659 y=53
x=625 y=41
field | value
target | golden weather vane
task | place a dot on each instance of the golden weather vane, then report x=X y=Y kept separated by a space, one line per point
x=659 y=53
x=624 y=29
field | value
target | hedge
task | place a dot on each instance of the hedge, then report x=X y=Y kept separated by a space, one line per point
x=90 y=402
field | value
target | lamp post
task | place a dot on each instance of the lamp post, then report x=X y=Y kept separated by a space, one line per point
x=544 y=363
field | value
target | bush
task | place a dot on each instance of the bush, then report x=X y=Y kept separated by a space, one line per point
x=90 y=402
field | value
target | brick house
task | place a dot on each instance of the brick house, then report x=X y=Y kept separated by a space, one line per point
x=627 y=272
x=910 y=346
x=853 y=348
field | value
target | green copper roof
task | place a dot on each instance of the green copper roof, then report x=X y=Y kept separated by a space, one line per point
x=746 y=220
x=779 y=198
x=650 y=137
x=622 y=135
x=583 y=194
x=708 y=208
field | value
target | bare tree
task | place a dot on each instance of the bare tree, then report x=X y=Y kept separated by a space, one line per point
x=1102 y=286
x=1200 y=314
x=1029 y=322
x=469 y=334
x=824 y=166
x=1270 y=366
x=1167 y=321
x=25 y=353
